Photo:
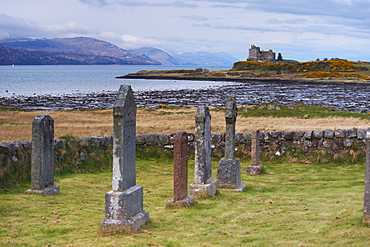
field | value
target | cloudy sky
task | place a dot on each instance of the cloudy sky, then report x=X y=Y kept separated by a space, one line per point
x=299 y=29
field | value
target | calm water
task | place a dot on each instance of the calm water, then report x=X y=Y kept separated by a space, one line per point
x=69 y=79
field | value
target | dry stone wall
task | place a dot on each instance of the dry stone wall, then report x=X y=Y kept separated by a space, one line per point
x=276 y=142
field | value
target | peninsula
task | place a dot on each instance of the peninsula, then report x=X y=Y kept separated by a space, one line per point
x=336 y=69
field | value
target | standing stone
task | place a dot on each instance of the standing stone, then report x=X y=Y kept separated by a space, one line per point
x=228 y=172
x=124 y=204
x=203 y=185
x=366 y=215
x=42 y=160
x=255 y=167
x=180 y=183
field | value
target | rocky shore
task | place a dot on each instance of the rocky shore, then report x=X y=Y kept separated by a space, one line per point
x=340 y=96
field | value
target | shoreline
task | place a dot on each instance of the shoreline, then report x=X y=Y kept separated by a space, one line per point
x=339 y=95
x=240 y=80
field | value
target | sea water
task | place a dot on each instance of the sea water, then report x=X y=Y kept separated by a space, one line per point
x=30 y=80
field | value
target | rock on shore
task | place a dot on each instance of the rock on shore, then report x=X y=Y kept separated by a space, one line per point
x=342 y=96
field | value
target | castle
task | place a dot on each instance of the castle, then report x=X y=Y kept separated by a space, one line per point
x=255 y=54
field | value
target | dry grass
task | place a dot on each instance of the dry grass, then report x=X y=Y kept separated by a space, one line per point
x=16 y=126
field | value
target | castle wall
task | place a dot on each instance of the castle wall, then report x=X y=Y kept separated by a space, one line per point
x=255 y=54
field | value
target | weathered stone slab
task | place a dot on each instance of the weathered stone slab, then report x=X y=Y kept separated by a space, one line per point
x=180 y=183
x=256 y=168
x=255 y=147
x=124 y=140
x=203 y=170
x=51 y=190
x=203 y=185
x=228 y=171
x=231 y=113
x=366 y=214
x=228 y=174
x=124 y=211
x=204 y=190
x=181 y=154
x=124 y=204
x=42 y=160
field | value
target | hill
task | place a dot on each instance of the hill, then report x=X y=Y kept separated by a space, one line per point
x=158 y=54
x=81 y=50
x=23 y=57
x=188 y=58
x=206 y=59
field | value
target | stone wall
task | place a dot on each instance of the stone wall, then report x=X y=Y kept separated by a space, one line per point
x=14 y=154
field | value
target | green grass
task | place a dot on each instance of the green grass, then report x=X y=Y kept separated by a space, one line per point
x=6 y=108
x=3 y=123
x=298 y=111
x=299 y=205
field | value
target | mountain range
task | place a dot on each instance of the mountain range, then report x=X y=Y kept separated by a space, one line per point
x=80 y=50
x=89 y=51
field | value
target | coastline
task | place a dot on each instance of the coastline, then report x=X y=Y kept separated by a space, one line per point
x=339 y=96
x=233 y=79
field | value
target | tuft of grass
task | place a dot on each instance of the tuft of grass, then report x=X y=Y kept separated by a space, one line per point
x=6 y=108
x=4 y=123
x=68 y=137
x=303 y=111
x=299 y=205
x=153 y=153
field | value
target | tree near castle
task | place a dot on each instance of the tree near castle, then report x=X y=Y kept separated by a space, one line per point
x=280 y=57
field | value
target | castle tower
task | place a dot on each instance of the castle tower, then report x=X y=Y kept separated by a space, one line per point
x=255 y=54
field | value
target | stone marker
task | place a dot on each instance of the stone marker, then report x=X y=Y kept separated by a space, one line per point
x=203 y=185
x=42 y=160
x=255 y=167
x=366 y=215
x=180 y=181
x=124 y=204
x=228 y=172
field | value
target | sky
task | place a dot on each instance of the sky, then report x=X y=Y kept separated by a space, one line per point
x=303 y=30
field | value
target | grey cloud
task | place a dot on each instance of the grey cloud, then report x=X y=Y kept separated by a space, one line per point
x=357 y=9
x=195 y=17
x=12 y=27
x=95 y=2
x=179 y=4
x=246 y=28
x=294 y=21
x=354 y=9
x=138 y=3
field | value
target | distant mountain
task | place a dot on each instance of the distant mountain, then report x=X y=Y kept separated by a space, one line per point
x=84 y=50
x=9 y=56
x=80 y=50
x=157 y=54
x=197 y=58
x=206 y=59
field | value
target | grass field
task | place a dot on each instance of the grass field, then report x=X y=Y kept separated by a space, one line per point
x=297 y=205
